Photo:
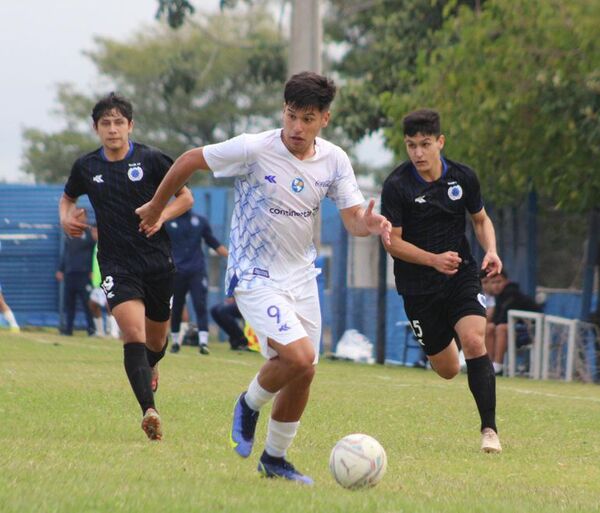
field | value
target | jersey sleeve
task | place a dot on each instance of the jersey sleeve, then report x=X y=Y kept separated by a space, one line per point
x=344 y=190
x=75 y=185
x=391 y=204
x=473 y=201
x=228 y=158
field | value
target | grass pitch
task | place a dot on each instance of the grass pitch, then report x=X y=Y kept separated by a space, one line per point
x=70 y=437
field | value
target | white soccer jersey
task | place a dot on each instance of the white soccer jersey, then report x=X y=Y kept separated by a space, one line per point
x=276 y=199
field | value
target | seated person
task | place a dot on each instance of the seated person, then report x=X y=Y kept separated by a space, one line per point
x=226 y=315
x=508 y=297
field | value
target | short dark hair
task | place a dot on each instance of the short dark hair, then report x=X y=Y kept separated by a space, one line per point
x=423 y=121
x=308 y=89
x=112 y=101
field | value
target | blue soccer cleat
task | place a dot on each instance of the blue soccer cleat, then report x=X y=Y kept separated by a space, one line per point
x=272 y=467
x=243 y=428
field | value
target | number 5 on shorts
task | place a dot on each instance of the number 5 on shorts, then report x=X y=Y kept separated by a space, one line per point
x=418 y=331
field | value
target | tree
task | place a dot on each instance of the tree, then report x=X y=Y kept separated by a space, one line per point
x=518 y=90
x=206 y=82
x=382 y=40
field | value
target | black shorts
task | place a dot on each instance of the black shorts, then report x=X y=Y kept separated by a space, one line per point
x=433 y=316
x=154 y=289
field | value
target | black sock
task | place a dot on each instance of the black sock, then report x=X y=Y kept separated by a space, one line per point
x=139 y=373
x=154 y=357
x=482 y=383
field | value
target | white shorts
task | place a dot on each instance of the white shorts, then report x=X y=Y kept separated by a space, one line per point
x=98 y=296
x=282 y=315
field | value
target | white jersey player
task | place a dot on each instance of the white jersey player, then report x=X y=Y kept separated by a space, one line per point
x=282 y=176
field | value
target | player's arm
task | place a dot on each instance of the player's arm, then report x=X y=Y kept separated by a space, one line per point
x=71 y=216
x=362 y=222
x=184 y=200
x=445 y=263
x=179 y=173
x=486 y=235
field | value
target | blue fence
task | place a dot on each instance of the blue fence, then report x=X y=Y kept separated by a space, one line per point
x=31 y=240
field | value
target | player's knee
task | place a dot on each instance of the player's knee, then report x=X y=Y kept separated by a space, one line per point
x=449 y=371
x=302 y=366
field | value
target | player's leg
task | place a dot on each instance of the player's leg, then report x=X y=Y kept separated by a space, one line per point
x=180 y=288
x=490 y=338
x=446 y=363
x=501 y=335
x=289 y=375
x=226 y=316
x=130 y=316
x=198 y=287
x=156 y=346
x=96 y=310
x=69 y=295
x=158 y=293
x=83 y=290
x=481 y=377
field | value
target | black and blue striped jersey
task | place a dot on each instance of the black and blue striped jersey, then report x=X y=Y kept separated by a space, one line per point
x=115 y=190
x=432 y=217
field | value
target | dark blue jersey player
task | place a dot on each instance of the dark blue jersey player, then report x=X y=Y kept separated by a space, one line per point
x=187 y=233
x=426 y=199
x=137 y=268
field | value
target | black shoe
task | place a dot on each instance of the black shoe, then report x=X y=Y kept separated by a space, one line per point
x=272 y=467
x=175 y=348
x=204 y=349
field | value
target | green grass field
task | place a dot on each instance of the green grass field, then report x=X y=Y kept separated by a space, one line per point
x=70 y=439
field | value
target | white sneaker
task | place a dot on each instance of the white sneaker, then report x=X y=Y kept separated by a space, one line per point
x=490 y=442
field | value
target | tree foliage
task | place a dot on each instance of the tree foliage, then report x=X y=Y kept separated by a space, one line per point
x=518 y=87
x=204 y=83
x=381 y=41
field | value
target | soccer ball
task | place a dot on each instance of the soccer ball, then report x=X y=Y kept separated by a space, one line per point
x=358 y=461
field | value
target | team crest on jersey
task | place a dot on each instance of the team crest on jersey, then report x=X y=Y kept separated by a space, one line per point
x=455 y=192
x=297 y=184
x=195 y=221
x=135 y=173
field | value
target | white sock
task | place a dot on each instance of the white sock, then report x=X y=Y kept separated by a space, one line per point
x=280 y=436
x=256 y=396
x=113 y=327
x=203 y=338
x=183 y=327
x=497 y=367
x=10 y=318
x=99 y=326
x=175 y=338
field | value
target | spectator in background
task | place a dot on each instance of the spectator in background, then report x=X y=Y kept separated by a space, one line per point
x=508 y=297
x=227 y=316
x=75 y=270
x=187 y=233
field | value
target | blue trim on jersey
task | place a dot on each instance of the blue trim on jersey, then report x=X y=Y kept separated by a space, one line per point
x=129 y=153
x=421 y=179
x=232 y=285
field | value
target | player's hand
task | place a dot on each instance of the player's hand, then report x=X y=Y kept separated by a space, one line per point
x=155 y=227
x=447 y=263
x=59 y=276
x=149 y=216
x=73 y=224
x=491 y=264
x=378 y=224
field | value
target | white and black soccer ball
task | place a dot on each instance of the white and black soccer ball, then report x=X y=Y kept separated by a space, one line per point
x=358 y=461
